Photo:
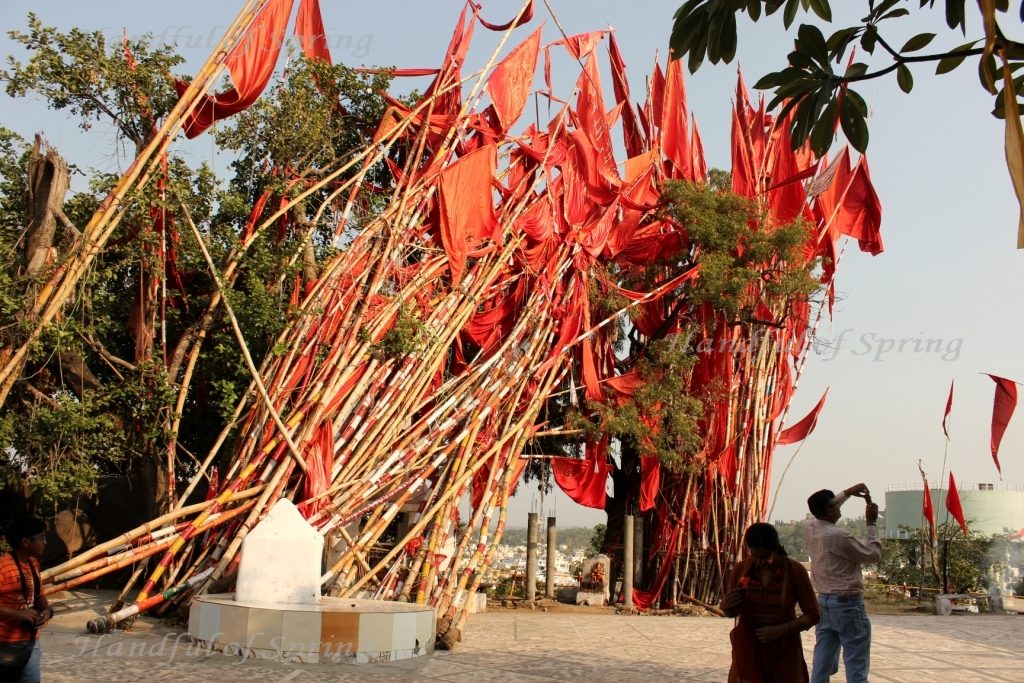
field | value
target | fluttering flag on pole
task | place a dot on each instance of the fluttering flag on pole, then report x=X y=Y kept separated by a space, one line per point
x=949 y=406
x=953 y=504
x=250 y=62
x=801 y=429
x=309 y=29
x=927 y=509
x=1002 y=410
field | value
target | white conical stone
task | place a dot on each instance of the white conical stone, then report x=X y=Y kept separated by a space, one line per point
x=281 y=559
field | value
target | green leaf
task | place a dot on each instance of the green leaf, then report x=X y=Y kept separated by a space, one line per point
x=901 y=12
x=856 y=100
x=856 y=70
x=813 y=43
x=917 y=42
x=822 y=9
x=800 y=60
x=904 y=78
x=947 y=64
x=855 y=128
x=867 y=41
x=989 y=66
x=768 y=81
x=839 y=40
x=789 y=14
x=699 y=48
x=821 y=135
x=955 y=15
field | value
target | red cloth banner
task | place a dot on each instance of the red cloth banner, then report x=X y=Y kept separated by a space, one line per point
x=953 y=504
x=251 y=63
x=928 y=509
x=650 y=482
x=949 y=407
x=801 y=429
x=309 y=29
x=467 y=209
x=583 y=480
x=1002 y=410
x=510 y=82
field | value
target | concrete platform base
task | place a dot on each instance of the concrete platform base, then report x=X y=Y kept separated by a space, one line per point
x=335 y=630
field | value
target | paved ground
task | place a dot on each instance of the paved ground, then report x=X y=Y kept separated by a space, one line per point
x=522 y=646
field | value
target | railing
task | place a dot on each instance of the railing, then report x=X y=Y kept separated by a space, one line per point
x=967 y=487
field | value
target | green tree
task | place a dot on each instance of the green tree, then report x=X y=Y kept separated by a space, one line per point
x=145 y=332
x=967 y=560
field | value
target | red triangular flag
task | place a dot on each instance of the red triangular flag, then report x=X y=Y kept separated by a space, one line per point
x=801 y=429
x=949 y=406
x=953 y=504
x=929 y=509
x=309 y=29
x=1002 y=411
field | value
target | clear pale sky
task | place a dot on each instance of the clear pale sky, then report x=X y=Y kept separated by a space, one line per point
x=950 y=271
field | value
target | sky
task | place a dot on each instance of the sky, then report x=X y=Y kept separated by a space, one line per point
x=950 y=271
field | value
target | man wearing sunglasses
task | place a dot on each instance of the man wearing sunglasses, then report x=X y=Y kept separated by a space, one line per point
x=837 y=557
x=23 y=607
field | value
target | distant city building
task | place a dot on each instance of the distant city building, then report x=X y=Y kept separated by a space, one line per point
x=988 y=508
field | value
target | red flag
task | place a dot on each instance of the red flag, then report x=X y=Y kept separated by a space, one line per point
x=650 y=481
x=584 y=480
x=929 y=510
x=1002 y=411
x=526 y=16
x=953 y=504
x=801 y=429
x=467 y=209
x=250 y=63
x=510 y=82
x=309 y=29
x=861 y=212
x=949 y=406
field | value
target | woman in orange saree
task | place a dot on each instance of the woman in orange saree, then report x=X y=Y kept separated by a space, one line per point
x=763 y=592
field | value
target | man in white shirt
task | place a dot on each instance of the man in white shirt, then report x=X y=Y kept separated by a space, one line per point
x=836 y=560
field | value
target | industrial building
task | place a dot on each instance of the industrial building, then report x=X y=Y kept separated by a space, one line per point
x=988 y=508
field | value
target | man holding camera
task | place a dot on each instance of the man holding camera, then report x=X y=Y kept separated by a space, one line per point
x=836 y=560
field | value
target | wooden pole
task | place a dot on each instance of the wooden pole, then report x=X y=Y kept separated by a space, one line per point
x=531 y=557
x=549 y=575
x=627 y=563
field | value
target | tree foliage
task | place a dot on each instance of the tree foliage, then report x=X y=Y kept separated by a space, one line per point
x=818 y=82
x=149 y=302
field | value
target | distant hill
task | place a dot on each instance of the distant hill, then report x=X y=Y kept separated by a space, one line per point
x=573 y=537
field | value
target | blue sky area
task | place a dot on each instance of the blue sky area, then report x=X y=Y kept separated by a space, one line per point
x=950 y=271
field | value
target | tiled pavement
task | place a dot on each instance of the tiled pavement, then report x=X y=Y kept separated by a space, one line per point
x=531 y=647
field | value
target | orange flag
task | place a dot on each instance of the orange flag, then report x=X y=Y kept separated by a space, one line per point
x=510 y=82
x=801 y=429
x=953 y=504
x=251 y=63
x=309 y=29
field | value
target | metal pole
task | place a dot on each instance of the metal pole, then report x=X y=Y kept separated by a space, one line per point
x=627 y=563
x=531 y=556
x=945 y=566
x=549 y=575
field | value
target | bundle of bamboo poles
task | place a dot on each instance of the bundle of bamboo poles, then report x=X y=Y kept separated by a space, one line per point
x=385 y=401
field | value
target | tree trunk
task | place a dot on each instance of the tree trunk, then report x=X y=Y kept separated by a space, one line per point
x=48 y=183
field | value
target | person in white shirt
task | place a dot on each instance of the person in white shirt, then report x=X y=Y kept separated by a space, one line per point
x=836 y=560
